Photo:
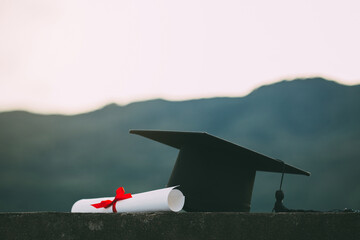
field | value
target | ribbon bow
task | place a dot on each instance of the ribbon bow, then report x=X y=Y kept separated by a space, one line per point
x=120 y=195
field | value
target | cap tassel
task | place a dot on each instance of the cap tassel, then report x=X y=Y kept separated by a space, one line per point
x=279 y=195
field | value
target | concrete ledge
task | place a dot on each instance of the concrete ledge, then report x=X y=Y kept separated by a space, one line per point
x=180 y=226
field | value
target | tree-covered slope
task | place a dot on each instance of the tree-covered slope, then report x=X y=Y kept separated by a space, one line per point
x=47 y=162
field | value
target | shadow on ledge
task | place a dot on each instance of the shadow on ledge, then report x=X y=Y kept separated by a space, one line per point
x=161 y=225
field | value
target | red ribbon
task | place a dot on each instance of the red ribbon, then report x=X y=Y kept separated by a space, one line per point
x=120 y=195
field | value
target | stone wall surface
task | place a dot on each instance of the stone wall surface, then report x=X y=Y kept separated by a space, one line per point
x=54 y=225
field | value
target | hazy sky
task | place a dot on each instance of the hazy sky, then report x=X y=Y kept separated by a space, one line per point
x=69 y=56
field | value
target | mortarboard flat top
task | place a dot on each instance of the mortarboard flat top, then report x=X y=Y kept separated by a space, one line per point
x=207 y=163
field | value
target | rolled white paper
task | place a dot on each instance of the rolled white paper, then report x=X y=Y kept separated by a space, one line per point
x=166 y=199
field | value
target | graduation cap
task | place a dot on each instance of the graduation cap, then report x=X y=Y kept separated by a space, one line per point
x=215 y=175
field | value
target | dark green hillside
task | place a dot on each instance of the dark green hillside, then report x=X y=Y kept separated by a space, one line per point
x=47 y=162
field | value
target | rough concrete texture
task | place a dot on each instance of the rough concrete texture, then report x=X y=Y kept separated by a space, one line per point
x=180 y=226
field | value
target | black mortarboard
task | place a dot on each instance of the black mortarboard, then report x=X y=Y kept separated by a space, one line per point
x=215 y=175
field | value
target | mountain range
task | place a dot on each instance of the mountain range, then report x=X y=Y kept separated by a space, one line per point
x=47 y=162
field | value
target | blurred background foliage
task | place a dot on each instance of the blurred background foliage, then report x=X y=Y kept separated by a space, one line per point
x=47 y=162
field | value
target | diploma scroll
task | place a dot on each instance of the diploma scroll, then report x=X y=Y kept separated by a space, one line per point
x=166 y=199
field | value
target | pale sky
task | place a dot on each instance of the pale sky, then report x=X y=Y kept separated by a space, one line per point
x=71 y=56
